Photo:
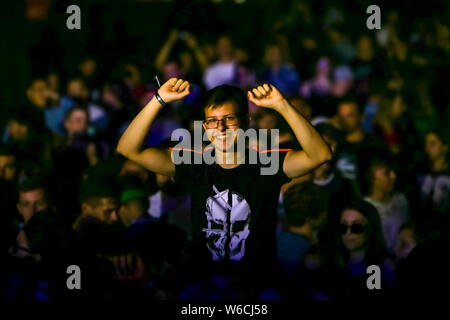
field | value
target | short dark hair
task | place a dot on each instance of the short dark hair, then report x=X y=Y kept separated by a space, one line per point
x=95 y=188
x=302 y=201
x=225 y=93
x=73 y=109
x=377 y=158
x=34 y=183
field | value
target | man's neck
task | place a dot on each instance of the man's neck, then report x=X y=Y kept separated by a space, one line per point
x=380 y=196
x=229 y=160
x=356 y=136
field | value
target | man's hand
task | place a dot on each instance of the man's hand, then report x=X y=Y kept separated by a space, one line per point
x=266 y=96
x=174 y=89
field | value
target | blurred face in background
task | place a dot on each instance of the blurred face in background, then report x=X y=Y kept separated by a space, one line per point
x=76 y=123
x=273 y=55
x=383 y=179
x=405 y=243
x=17 y=131
x=76 y=88
x=130 y=211
x=349 y=117
x=224 y=48
x=353 y=241
x=37 y=93
x=31 y=202
x=434 y=147
x=104 y=209
x=8 y=168
x=88 y=67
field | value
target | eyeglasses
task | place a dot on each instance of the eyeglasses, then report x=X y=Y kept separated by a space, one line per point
x=229 y=121
x=356 y=228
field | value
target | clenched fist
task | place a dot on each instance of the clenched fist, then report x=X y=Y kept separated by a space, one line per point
x=266 y=96
x=174 y=89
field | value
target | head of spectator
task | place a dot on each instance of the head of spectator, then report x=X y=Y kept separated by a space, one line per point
x=225 y=49
x=407 y=239
x=273 y=56
x=225 y=107
x=77 y=90
x=359 y=234
x=33 y=197
x=306 y=209
x=134 y=202
x=350 y=119
x=37 y=93
x=301 y=106
x=76 y=122
x=99 y=201
x=323 y=68
x=343 y=81
x=378 y=180
x=436 y=149
x=8 y=163
x=88 y=67
x=24 y=123
x=364 y=49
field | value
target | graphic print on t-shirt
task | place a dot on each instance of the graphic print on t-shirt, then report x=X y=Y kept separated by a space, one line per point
x=228 y=215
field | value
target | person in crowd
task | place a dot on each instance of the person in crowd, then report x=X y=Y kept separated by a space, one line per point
x=226 y=70
x=378 y=187
x=360 y=244
x=231 y=182
x=9 y=164
x=306 y=213
x=409 y=236
x=320 y=84
x=279 y=72
x=356 y=140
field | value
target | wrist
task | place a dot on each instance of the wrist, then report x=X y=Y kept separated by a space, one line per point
x=281 y=106
x=162 y=101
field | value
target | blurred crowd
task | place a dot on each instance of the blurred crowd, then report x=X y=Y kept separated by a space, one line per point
x=378 y=97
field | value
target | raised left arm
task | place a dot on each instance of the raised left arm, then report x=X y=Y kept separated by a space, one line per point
x=315 y=150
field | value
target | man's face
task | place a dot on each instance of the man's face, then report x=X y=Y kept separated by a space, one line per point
x=224 y=47
x=31 y=202
x=37 y=93
x=77 y=123
x=8 y=167
x=17 y=131
x=219 y=137
x=405 y=243
x=130 y=211
x=349 y=117
x=104 y=210
x=434 y=147
x=384 y=178
x=77 y=89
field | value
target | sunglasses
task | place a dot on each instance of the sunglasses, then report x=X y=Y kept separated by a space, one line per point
x=355 y=228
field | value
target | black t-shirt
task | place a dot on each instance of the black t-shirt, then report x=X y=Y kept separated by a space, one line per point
x=234 y=210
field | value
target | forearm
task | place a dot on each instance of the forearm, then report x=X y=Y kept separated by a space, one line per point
x=310 y=140
x=133 y=137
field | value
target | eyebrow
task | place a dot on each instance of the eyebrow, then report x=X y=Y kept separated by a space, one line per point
x=230 y=114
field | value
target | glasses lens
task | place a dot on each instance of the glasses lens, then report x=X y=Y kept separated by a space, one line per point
x=357 y=228
x=230 y=121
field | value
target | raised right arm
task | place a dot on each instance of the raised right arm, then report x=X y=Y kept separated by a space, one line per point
x=130 y=144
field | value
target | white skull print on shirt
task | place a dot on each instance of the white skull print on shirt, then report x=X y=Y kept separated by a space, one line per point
x=228 y=215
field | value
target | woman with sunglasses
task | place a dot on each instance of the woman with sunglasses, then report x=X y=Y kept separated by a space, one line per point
x=360 y=244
